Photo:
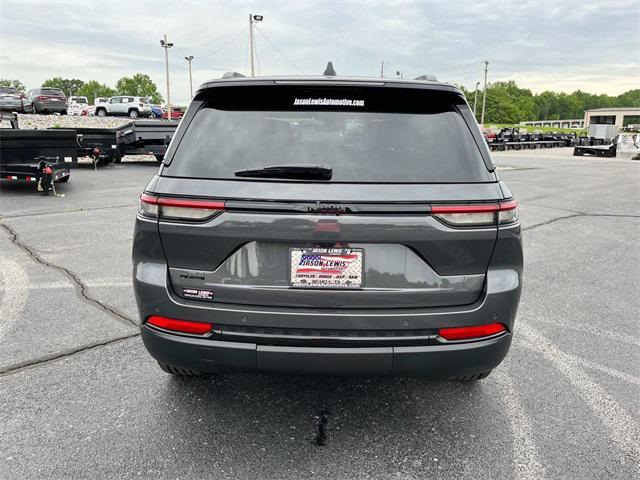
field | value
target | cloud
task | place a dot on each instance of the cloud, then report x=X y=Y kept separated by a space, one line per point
x=544 y=45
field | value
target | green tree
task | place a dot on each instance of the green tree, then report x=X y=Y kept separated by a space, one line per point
x=139 y=85
x=17 y=84
x=507 y=103
x=93 y=89
x=69 y=86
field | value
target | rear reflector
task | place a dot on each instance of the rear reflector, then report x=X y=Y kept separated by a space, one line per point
x=477 y=214
x=468 y=333
x=182 y=326
x=179 y=208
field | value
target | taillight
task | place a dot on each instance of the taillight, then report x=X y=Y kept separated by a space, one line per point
x=179 y=208
x=470 y=333
x=41 y=97
x=140 y=105
x=477 y=214
x=182 y=326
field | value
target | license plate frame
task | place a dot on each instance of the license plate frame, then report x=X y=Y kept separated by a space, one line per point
x=326 y=268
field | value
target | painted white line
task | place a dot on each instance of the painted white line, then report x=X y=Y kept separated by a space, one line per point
x=525 y=456
x=14 y=294
x=627 y=377
x=620 y=426
x=578 y=327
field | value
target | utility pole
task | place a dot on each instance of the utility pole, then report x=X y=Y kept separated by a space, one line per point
x=166 y=45
x=252 y=19
x=475 y=101
x=484 y=93
x=188 y=59
x=382 y=69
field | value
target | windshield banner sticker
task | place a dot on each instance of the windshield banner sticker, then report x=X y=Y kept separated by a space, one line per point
x=333 y=102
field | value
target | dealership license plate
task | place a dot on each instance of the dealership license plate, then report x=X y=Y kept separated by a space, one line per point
x=326 y=267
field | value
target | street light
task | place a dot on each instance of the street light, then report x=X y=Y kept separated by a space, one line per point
x=188 y=59
x=253 y=19
x=167 y=45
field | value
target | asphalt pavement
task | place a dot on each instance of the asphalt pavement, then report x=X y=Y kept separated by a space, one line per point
x=81 y=398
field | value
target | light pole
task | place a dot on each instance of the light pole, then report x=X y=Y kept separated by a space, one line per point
x=381 y=68
x=475 y=101
x=188 y=59
x=166 y=45
x=253 y=19
x=484 y=93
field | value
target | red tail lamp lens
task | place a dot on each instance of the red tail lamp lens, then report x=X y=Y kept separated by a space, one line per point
x=182 y=326
x=468 y=333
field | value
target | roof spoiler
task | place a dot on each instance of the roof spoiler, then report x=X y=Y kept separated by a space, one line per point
x=428 y=78
x=232 y=75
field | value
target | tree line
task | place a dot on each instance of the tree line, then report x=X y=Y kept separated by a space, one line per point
x=508 y=103
x=139 y=85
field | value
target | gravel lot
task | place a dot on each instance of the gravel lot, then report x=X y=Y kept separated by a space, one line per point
x=81 y=398
x=27 y=121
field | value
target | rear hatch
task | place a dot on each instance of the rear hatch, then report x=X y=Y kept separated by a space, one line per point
x=346 y=219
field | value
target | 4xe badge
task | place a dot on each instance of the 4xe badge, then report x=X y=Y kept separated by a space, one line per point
x=197 y=293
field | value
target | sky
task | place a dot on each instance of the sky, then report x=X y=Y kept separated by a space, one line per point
x=560 y=45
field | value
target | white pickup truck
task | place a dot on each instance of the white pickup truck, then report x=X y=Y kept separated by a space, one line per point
x=76 y=104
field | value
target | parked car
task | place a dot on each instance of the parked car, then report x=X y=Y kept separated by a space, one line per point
x=46 y=100
x=156 y=111
x=318 y=227
x=11 y=99
x=77 y=104
x=88 y=111
x=133 y=107
x=176 y=113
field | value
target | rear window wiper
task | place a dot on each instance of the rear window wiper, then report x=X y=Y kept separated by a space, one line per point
x=302 y=171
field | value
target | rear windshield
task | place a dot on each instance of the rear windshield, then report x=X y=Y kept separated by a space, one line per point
x=366 y=135
x=8 y=90
x=52 y=91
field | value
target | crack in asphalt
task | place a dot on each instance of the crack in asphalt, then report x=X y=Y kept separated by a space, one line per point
x=576 y=215
x=81 y=288
x=74 y=210
x=17 y=367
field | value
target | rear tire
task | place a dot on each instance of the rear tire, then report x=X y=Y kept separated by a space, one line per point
x=34 y=109
x=101 y=112
x=133 y=113
x=472 y=378
x=179 y=371
x=63 y=112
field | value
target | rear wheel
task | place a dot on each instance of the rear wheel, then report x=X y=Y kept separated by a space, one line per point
x=472 y=378
x=133 y=113
x=34 y=109
x=179 y=371
x=63 y=112
x=101 y=112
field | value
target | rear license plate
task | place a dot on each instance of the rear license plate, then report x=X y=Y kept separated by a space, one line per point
x=326 y=267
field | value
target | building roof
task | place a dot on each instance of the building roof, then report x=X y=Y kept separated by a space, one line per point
x=616 y=109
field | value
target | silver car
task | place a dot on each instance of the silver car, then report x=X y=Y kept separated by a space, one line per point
x=125 y=105
x=11 y=99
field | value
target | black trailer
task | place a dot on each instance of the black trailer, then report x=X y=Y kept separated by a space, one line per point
x=145 y=137
x=34 y=155
x=595 y=151
x=150 y=137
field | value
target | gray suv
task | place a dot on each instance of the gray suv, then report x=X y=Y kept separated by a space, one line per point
x=46 y=100
x=327 y=225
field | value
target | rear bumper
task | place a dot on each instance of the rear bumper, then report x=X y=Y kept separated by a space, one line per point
x=432 y=361
x=51 y=107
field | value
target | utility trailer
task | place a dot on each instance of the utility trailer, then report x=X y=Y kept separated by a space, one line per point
x=150 y=137
x=145 y=137
x=595 y=150
x=36 y=155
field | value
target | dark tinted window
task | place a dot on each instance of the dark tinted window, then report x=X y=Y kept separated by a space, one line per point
x=365 y=135
x=8 y=90
x=54 y=92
